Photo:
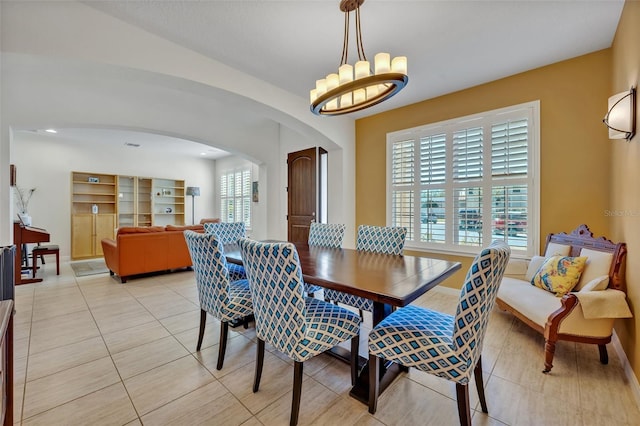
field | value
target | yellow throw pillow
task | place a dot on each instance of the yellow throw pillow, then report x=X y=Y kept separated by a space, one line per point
x=559 y=274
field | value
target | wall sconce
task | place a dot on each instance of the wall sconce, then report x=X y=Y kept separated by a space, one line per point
x=194 y=191
x=621 y=116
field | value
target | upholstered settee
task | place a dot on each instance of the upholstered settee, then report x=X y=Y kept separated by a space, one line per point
x=587 y=312
x=144 y=249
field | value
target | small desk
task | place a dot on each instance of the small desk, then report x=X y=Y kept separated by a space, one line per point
x=385 y=279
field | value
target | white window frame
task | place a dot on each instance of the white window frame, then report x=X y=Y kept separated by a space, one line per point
x=530 y=110
x=244 y=199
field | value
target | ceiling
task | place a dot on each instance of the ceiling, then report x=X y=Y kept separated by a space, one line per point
x=138 y=142
x=450 y=45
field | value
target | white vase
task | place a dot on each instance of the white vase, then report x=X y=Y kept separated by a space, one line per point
x=25 y=218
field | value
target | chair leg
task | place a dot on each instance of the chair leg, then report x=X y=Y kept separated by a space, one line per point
x=203 y=322
x=259 y=363
x=464 y=407
x=374 y=378
x=355 y=357
x=549 y=351
x=224 y=330
x=480 y=385
x=604 y=356
x=297 y=392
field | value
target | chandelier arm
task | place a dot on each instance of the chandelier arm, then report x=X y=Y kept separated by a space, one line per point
x=345 y=41
x=361 y=55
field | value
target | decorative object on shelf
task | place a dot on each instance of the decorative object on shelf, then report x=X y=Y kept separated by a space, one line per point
x=621 y=115
x=92 y=179
x=347 y=92
x=94 y=209
x=166 y=192
x=168 y=210
x=194 y=191
x=23 y=196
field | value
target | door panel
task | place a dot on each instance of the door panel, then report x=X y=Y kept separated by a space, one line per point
x=82 y=236
x=105 y=228
x=302 y=197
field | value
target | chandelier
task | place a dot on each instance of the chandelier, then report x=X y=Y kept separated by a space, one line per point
x=356 y=88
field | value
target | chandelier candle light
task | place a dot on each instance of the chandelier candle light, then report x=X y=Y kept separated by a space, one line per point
x=356 y=88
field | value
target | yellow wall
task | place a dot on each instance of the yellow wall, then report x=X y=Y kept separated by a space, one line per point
x=625 y=174
x=583 y=173
x=575 y=153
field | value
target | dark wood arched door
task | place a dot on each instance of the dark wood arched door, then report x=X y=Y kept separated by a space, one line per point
x=302 y=192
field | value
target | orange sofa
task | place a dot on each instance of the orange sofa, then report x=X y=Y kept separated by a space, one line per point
x=144 y=249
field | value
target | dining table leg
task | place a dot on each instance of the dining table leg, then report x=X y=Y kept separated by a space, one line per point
x=388 y=370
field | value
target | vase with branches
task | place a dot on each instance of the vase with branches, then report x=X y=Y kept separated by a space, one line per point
x=23 y=196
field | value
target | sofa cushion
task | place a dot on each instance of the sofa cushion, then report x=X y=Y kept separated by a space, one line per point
x=210 y=220
x=139 y=229
x=596 y=284
x=598 y=264
x=185 y=227
x=559 y=274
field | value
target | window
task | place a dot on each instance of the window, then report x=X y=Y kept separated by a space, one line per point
x=460 y=184
x=235 y=197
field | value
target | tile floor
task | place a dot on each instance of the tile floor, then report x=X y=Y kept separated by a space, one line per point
x=93 y=351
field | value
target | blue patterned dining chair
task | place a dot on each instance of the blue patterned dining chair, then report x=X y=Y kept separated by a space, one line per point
x=329 y=235
x=299 y=327
x=229 y=233
x=222 y=297
x=373 y=239
x=444 y=345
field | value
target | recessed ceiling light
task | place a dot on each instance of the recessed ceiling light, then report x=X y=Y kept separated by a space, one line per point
x=51 y=131
x=203 y=153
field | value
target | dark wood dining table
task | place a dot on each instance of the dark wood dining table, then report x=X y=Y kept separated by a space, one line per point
x=388 y=280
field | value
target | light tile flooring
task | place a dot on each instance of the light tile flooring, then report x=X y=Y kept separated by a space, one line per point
x=93 y=351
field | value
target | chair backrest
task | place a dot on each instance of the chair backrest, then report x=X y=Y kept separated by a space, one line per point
x=227 y=232
x=211 y=271
x=381 y=239
x=276 y=283
x=328 y=235
x=477 y=297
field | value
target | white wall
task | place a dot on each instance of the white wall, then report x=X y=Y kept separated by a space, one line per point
x=45 y=163
x=118 y=76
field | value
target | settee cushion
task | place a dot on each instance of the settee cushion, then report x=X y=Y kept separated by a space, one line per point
x=596 y=284
x=534 y=266
x=139 y=229
x=531 y=301
x=559 y=274
x=555 y=249
x=536 y=305
x=598 y=264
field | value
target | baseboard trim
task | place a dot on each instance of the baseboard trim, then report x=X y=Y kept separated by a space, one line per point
x=628 y=371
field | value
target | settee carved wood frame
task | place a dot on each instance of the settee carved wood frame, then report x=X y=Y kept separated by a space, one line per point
x=579 y=238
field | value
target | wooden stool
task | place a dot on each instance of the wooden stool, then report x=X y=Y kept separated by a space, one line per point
x=44 y=250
